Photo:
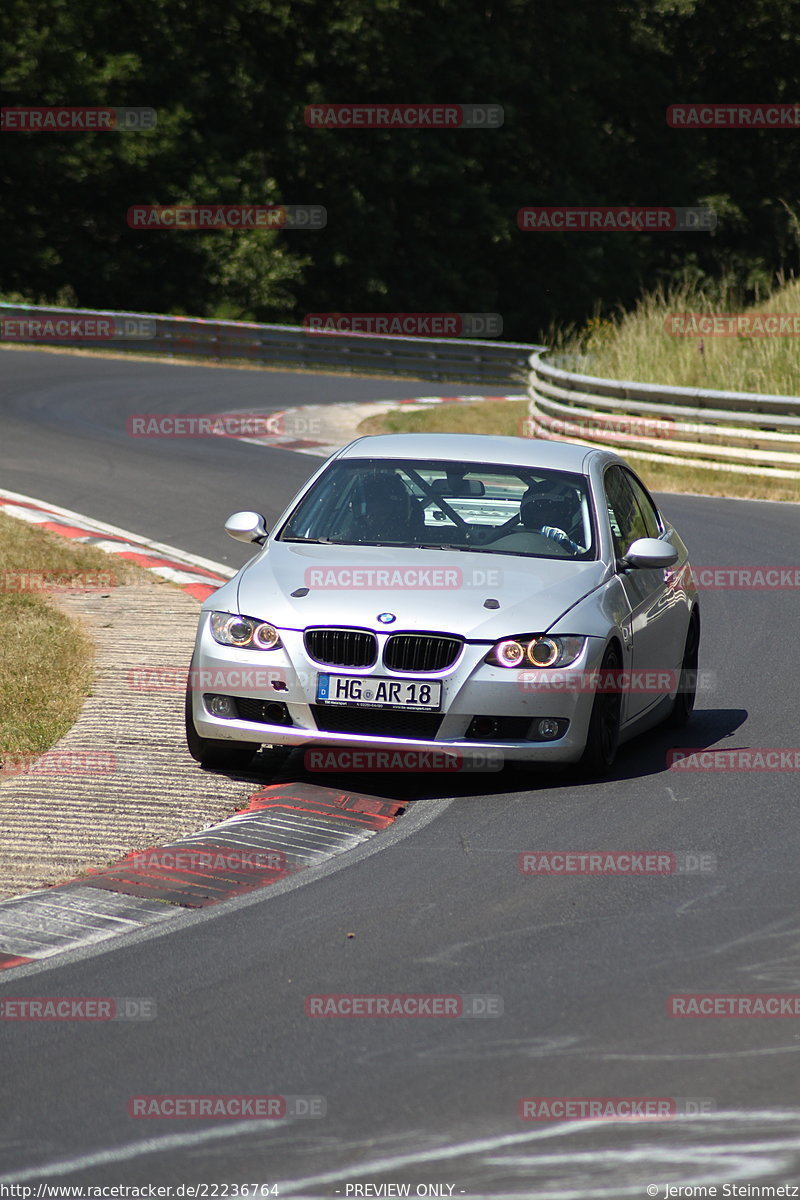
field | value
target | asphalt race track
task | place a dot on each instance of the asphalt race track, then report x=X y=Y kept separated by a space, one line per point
x=64 y=424
x=583 y=965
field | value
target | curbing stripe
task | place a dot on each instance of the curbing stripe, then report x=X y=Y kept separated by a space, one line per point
x=10 y=960
x=103 y=527
x=35 y=926
x=322 y=449
x=482 y=399
x=309 y=822
x=200 y=580
x=138 y=892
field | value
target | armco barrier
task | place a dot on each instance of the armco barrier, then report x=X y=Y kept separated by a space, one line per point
x=291 y=345
x=742 y=432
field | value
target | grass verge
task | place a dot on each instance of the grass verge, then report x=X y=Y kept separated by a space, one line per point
x=46 y=660
x=506 y=418
x=660 y=341
x=502 y=417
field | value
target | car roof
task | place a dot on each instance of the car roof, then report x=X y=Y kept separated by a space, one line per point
x=480 y=448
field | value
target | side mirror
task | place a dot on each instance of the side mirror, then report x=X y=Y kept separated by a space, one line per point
x=650 y=552
x=247 y=527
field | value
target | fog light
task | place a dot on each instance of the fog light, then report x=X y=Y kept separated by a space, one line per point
x=275 y=714
x=547 y=728
x=221 y=706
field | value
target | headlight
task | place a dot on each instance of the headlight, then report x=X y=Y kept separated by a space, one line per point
x=509 y=654
x=533 y=650
x=245 y=632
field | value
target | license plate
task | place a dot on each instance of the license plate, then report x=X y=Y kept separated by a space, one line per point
x=371 y=691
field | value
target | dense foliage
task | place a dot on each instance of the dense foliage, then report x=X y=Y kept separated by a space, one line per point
x=418 y=221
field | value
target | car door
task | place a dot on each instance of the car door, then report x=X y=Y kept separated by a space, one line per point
x=632 y=515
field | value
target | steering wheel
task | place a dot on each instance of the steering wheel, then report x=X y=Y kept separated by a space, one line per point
x=494 y=535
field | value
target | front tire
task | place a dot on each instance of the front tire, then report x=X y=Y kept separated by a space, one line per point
x=602 y=740
x=213 y=752
x=687 y=686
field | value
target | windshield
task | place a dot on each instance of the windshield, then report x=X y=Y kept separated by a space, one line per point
x=447 y=506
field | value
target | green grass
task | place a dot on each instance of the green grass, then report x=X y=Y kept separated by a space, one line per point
x=504 y=418
x=663 y=477
x=46 y=658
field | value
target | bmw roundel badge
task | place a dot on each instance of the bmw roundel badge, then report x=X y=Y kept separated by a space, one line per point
x=386 y=618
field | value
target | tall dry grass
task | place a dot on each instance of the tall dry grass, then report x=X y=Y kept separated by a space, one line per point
x=637 y=345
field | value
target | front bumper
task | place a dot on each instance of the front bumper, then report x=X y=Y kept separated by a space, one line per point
x=470 y=688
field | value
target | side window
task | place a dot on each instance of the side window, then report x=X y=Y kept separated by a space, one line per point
x=648 y=509
x=624 y=514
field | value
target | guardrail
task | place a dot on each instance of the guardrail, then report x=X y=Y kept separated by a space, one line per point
x=744 y=432
x=278 y=345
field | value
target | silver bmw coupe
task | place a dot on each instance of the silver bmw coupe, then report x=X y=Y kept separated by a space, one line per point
x=478 y=597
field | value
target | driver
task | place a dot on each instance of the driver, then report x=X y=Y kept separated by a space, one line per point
x=383 y=509
x=545 y=510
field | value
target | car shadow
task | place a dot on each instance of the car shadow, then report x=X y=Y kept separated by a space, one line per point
x=647 y=754
x=643 y=756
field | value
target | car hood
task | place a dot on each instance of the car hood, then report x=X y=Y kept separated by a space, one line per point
x=424 y=589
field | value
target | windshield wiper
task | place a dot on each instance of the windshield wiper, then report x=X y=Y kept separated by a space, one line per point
x=321 y=541
x=327 y=541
